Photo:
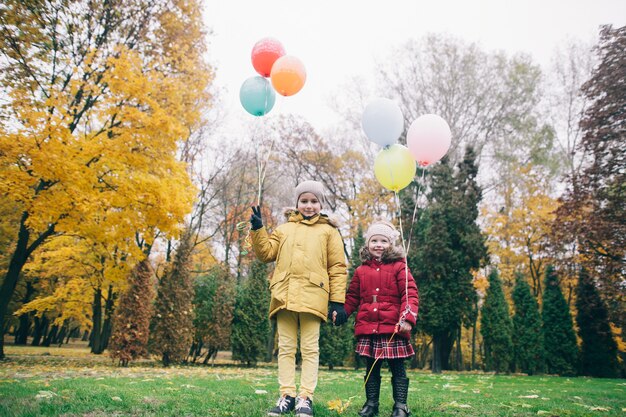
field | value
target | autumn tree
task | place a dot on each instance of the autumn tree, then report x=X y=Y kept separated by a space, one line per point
x=171 y=331
x=97 y=96
x=519 y=229
x=250 y=326
x=598 y=351
x=484 y=96
x=558 y=330
x=593 y=215
x=496 y=327
x=131 y=327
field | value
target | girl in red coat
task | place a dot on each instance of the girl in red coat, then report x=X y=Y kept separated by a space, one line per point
x=385 y=295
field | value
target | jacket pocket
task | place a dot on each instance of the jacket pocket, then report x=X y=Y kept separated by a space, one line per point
x=277 y=278
x=319 y=281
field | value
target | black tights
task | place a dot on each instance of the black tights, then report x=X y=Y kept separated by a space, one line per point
x=396 y=366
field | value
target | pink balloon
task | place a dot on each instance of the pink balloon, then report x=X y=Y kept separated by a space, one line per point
x=264 y=53
x=428 y=139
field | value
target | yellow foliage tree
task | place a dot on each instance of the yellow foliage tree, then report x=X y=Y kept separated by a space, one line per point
x=98 y=96
x=519 y=231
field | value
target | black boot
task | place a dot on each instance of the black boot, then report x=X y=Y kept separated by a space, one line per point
x=400 y=392
x=372 y=393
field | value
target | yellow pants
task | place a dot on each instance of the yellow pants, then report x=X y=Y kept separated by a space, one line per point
x=287 y=324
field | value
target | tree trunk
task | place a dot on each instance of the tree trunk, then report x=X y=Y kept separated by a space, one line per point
x=108 y=319
x=51 y=336
x=474 y=335
x=22 y=332
x=20 y=255
x=442 y=346
x=436 y=360
x=459 y=351
x=10 y=279
x=96 y=309
x=41 y=328
x=58 y=340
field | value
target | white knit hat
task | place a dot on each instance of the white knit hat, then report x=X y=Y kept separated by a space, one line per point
x=383 y=228
x=312 y=187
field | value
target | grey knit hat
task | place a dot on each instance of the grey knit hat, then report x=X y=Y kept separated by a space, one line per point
x=383 y=228
x=313 y=187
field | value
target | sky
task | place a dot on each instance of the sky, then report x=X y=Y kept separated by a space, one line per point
x=339 y=39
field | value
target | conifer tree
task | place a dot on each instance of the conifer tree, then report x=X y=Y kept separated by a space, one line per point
x=598 y=350
x=559 y=340
x=527 y=334
x=250 y=320
x=496 y=327
x=449 y=246
x=172 y=324
x=131 y=324
x=218 y=336
x=205 y=287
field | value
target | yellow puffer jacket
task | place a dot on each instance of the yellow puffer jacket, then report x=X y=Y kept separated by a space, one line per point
x=310 y=264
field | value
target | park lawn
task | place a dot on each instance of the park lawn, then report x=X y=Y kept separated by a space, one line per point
x=72 y=382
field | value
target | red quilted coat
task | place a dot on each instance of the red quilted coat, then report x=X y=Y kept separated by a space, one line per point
x=377 y=291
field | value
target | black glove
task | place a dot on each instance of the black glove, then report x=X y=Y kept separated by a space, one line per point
x=255 y=218
x=342 y=317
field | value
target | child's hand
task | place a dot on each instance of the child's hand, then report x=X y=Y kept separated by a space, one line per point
x=337 y=314
x=255 y=218
x=405 y=327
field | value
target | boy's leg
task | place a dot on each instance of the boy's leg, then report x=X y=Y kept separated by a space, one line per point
x=310 y=350
x=287 y=327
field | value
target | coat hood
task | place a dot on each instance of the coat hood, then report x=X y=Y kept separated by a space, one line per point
x=292 y=214
x=391 y=254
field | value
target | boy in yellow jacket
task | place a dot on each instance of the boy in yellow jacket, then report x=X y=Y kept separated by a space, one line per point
x=310 y=272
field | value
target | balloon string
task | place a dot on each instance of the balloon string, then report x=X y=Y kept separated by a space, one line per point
x=419 y=187
x=406 y=261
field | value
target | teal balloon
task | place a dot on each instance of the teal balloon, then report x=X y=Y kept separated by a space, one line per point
x=257 y=96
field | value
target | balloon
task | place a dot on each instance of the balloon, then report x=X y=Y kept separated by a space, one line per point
x=382 y=121
x=428 y=139
x=394 y=167
x=288 y=75
x=257 y=96
x=264 y=53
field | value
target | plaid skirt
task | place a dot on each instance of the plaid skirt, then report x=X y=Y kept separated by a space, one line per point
x=379 y=347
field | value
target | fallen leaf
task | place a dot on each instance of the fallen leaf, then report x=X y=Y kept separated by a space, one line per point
x=599 y=409
x=44 y=395
x=457 y=405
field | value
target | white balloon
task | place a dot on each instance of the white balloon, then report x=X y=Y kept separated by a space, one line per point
x=428 y=139
x=382 y=121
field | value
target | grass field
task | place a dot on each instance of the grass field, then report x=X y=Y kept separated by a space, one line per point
x=72 y=382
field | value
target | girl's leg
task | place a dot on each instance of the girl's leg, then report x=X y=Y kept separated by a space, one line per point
x=375 y=364
x=400 y=386
x=372 y=388
x=287 y=326
x=310 y=350
x=396 y=366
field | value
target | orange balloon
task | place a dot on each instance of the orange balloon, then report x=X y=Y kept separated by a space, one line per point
x=288 y=75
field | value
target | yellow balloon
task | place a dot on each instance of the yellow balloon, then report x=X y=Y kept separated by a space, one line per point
x=394 y=167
